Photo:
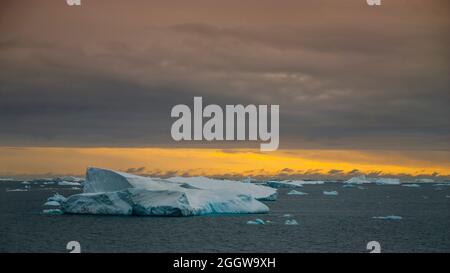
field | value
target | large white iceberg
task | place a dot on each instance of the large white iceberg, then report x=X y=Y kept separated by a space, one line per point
x=379 y=180
x=112 y=192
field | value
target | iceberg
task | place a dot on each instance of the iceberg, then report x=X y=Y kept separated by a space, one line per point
x=294 y=192
x=291 y=222
x=390 y=217
x=330 y=193
x=379 y=181
x=113 y=192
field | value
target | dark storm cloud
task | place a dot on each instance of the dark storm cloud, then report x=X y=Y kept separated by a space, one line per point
x=369 y=80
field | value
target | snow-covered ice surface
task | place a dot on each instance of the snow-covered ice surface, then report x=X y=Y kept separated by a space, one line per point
x=112 y=192
x=379 y=180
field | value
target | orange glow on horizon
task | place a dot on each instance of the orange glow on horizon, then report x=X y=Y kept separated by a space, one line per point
x=216 y=162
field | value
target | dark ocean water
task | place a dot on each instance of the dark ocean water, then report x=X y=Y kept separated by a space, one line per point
x=340 y=223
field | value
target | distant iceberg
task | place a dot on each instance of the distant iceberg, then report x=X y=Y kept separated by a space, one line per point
x=112 y=192
x=411 y=185
x=424 y=180
x=380 y=180
x=390 y=217
x=292 y=183
x=294 y=192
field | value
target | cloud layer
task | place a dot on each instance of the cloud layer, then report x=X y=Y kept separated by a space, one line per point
x=107 y=74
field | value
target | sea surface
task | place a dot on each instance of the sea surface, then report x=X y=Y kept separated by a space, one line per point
x=326 y=223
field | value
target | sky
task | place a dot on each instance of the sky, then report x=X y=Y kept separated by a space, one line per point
x=363 y=89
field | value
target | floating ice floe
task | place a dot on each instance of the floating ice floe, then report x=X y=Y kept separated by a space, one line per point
x=411 y=185
x=25 y=183
x=52 y=211
x=57 y=197
x=52 y=203
x=379 y=181
x=111 y=192
x=67 y=183
x=441 y=184
x=16 y=190
x=424 y=180
x=390 y=217
x=7 y=179
x=291 y=222
x=256 y=222
x=295 y=192
x=287 y=215
x=447 y=196
x=330 y=193
x=292 y=183
x=349 y=186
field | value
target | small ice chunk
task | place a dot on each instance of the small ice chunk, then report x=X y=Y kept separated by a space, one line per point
x=330 y=192
x=13 y=190
x=447 y=196
x=52 y=211
x=287 y=215
x=52 y=203
x=349 y=186
x=390 y=217
x=411 y=185
x=291 y=222
x=256 y=222
x=57 y=197
x=424 y=180
x=67 y=183
x=25 y=183
x=294 y=192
